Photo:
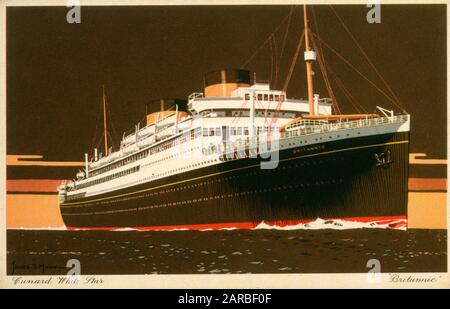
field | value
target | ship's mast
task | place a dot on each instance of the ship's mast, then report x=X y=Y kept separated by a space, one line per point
x=105 y=129
x=310 y=56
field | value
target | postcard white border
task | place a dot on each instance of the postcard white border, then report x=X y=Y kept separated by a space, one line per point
x=195 y=281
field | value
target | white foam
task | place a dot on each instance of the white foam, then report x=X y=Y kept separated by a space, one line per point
x=337 y=224
x=124 y=229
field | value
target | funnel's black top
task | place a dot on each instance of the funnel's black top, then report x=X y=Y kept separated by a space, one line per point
x=238 y=76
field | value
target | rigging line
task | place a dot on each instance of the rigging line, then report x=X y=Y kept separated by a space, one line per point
x=96 y=128
x=237 y=116
x=357 y=71
x=283 y=45
x=113 y=143
x=277 y=66
x=288 y=78
x=350 y=97
x=266 y=113
x=330 y=91
x=324 y=72
x=271 y=59
x=99 y=142
x=111 y=122
x=348 y=94
x=365 y=55
x=268 y=38
x=144 y=118
x=94 y=137
x=328 y=85
x=294 y=61
x=261 y=106
x=323 y=66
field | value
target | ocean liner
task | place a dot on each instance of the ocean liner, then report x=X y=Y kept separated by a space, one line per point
x=241 y=153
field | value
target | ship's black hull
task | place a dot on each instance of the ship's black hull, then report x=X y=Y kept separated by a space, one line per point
x=359 y=177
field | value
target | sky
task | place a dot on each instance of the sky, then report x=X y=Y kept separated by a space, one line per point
x=55 y=70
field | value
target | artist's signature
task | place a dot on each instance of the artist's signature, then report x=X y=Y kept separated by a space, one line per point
x=400 y=278
x=35 y=268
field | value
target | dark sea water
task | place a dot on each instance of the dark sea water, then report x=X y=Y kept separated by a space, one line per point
x=37 y=252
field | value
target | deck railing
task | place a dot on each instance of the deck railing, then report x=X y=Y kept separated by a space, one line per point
x=343 y=125
x=245 y=147
x=194 y=96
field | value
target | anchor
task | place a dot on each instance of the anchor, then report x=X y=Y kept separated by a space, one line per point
x=383 y=159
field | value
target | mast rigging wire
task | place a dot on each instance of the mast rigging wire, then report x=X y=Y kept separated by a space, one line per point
x=268 y=38
x=288 y=79
x=367 y=58
x=323 y=67
x=357 y=71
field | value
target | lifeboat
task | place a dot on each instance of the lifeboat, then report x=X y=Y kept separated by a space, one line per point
x=184 y=125
x=102 y=161
x=116 y=155
x=93 y=165
x=130 y=149
x=169 y=120
x=80 y=175
x=146 y=141
x=165 y=134
x=147 y=131
x=129 y=139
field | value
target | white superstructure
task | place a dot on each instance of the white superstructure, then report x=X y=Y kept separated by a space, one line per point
x=213 y=127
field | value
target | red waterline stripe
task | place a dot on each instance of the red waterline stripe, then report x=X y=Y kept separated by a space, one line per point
x=238 y=225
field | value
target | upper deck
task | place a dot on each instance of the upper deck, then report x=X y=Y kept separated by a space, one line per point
x=266 y=100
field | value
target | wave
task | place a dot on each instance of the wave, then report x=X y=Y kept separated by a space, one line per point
x=337 y=224
x=399 y=223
